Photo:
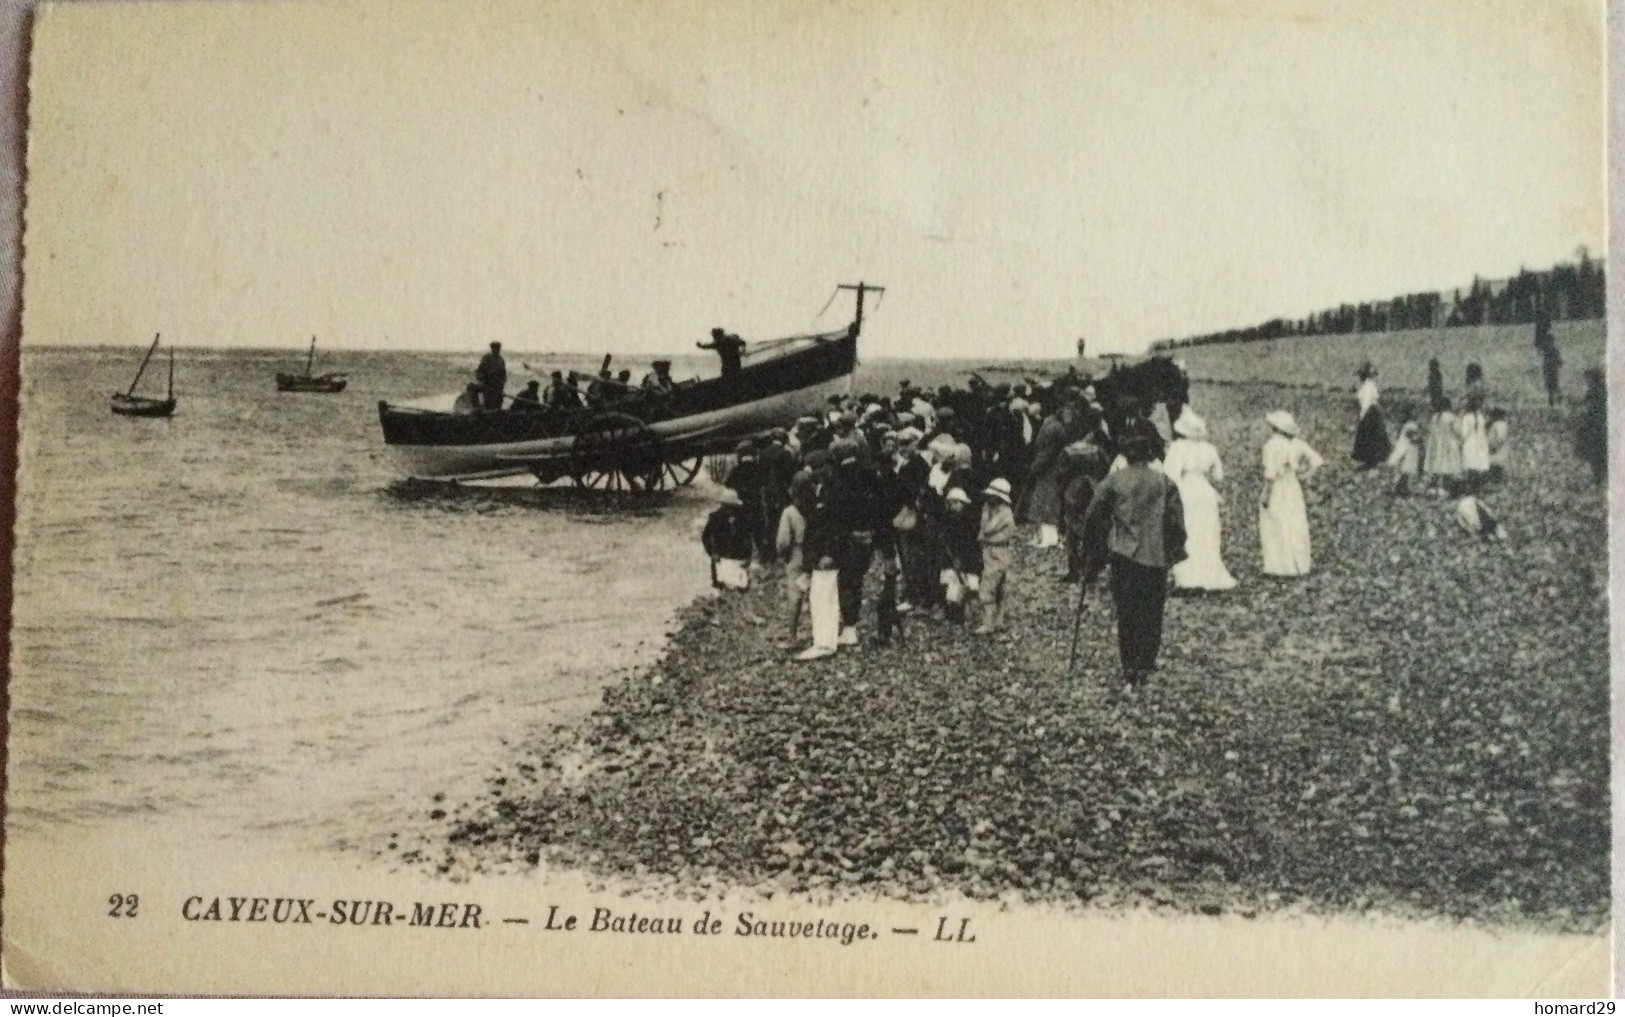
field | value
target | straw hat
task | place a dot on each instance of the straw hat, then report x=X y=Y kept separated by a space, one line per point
x=957 y=494
x=1000 y=489
x=1282 y=421
x=1190 y=425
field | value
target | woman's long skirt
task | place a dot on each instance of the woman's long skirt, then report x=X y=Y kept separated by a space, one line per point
x=1203 y=567
x=1283 y=529
x=1371 y=444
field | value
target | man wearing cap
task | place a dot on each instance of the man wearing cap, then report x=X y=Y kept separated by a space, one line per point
x=778 y=467
x=1137 y=523
x=746 y=478
x=469 y=400
x=492 y=377
x=854 y=528
x=997 y=533
x=659 y=378
x=730 y=350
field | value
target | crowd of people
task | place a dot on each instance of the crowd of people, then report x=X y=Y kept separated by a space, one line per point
x=932 y=485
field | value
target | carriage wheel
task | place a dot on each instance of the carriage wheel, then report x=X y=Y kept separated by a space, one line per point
x=677 y=474
x=718 y=466
x=618 y=453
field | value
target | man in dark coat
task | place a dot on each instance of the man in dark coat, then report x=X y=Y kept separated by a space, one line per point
x=730 y=350
x=854 y=528
x=746 y=478
x=492 y=377
x=1042 y=503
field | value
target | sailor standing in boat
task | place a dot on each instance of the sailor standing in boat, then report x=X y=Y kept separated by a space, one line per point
x=730 y=350
x=492 y=377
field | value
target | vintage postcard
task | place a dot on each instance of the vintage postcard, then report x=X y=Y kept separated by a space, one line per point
x=700 y=498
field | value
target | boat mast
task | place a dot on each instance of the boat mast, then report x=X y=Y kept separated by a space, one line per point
x=860 y=288
x=310 y=361
x=171 y=393
x=142 y=369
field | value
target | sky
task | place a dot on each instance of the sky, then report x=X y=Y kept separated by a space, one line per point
x=592 y=176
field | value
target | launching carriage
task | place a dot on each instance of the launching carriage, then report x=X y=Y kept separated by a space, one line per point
x=647 y=440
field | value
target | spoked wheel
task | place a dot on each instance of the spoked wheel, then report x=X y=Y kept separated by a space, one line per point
x=617 y=452
x=679 y=474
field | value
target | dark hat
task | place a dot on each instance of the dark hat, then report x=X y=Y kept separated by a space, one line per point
x=496 y=346
x=843 y=451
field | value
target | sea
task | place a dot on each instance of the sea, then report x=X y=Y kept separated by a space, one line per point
x=241 y=618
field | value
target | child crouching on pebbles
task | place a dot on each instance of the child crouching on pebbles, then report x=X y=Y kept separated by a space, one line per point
x=1406 y=458
x=726 y=538
x=1476 y=518
x=997 y=533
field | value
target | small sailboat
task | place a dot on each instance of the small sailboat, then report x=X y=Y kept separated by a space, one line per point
x=128 y=404
x=308 y=382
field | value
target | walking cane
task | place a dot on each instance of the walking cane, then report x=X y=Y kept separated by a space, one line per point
x=1077 y=626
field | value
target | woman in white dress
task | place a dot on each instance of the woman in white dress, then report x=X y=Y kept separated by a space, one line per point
x=1193 y=463
x=1283 y=522
x=1472 y=427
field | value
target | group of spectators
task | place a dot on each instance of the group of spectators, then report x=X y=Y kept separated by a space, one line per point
x=931 y=486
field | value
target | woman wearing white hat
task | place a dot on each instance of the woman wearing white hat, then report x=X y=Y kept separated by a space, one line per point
x=1193 y=463
x=1283 y=521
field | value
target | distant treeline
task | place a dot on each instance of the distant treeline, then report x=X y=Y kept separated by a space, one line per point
x=1567 y=292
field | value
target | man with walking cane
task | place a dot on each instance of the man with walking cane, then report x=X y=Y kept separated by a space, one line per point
x=1138 y=513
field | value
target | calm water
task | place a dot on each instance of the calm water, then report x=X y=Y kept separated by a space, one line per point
x=235 y=616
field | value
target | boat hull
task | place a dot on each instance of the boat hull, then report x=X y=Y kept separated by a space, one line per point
x=141 y=406
x=306 y=383
x=694 y=419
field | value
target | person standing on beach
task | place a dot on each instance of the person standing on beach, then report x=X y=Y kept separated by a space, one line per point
x=1551 y=361
x=1193 y=464
x=791 y=544
x=1137 y=512
x=1042 y=501
x=997 y=533
x=1473 y=428
x=1283 y=519
x=1371 y=445
x=1435 y=383
x=857 y=529
x=1441 y=459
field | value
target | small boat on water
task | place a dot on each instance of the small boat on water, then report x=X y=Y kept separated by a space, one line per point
x=644 y=440
x=308 y=382
x=128 y=404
